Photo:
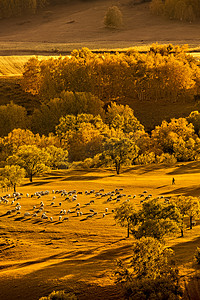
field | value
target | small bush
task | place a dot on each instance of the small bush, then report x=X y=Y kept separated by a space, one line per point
x=59 y=295
x=113 y=17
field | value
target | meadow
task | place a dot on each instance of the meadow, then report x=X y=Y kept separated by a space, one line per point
x=79 y=254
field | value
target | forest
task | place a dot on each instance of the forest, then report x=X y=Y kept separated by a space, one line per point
x=83 y=119
x=183 y=10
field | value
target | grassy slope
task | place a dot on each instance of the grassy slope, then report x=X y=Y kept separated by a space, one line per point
x=80 y=254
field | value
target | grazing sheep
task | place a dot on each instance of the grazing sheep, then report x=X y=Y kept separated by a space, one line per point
x=64 y=211
x=81 y=213
x=77 y=213
x=69 y=211
x=51 y=219
x=34 y=215
x=104 y=215
x=60 y=218
x=26 y=214
x=52 y=203
x=106 y=209
x=60 y=203
x=78 y=204
x=19 y=212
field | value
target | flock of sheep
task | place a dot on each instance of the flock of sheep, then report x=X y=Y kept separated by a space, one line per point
x=58 y=199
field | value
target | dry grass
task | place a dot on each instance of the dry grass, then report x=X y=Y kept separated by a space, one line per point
x=38 y=256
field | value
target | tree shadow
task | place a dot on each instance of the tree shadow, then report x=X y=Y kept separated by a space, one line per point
x=189 y=168
x=185 y=191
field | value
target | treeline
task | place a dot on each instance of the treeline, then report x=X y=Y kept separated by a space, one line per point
x=114 y=138
x=9 y=8
x=12 y=8
x=164 y=73
x=183 y=10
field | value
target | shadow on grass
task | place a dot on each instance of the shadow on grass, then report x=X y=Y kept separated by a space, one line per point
x=189 y=168
x=185 y=191
x=74 y=268
x=184 y=251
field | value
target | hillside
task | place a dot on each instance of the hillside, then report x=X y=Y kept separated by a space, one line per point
x=79 y=23
x=79 y=254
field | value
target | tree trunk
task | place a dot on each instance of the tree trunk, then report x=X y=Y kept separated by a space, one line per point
x=128 y=230
x=190 y=222
x=31 y=178
x=181 y=232
x=117 y=165
x=14 y=188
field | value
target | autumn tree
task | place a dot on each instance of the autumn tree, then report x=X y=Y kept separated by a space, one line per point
x=57 y=156
x=12 y=175
x=12 y=116
x=157 y=220
x=188 y=206
x=125 y=215
x=113 y=17
x=122 y=117
x=119 y=151
x=176 y=137
x=81 y=135
x=46 y=118
x=34 y=160
x=194 y=118
x=151 y=272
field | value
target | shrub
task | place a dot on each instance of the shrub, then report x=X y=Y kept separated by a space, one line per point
x=59 y=295
x=113 y=17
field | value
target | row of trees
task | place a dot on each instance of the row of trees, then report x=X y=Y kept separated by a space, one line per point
x=151 y=271
x=156 y=219
x=183 y=10
x=116 y=140
x=10 y=8
x=164 y=73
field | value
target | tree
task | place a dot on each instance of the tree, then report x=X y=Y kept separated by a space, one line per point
x=151 y=272
x=57 y=156
x=176 y=137
x=122 y=117
x=12 y=175
x=34 y=160
x=157 y=220
x=113 y=17
x=188 y=206
x=46 y=118
x=124 y=215
x=194 y=118
x=119 y=151
x=12 y=116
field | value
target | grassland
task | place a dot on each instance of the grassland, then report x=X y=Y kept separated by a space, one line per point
x=38 y=256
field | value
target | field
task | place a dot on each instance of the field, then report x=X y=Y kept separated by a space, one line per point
x=79 y=254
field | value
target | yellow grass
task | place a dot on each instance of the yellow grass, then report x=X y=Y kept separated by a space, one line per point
x=38 y=256
x=14 y=65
